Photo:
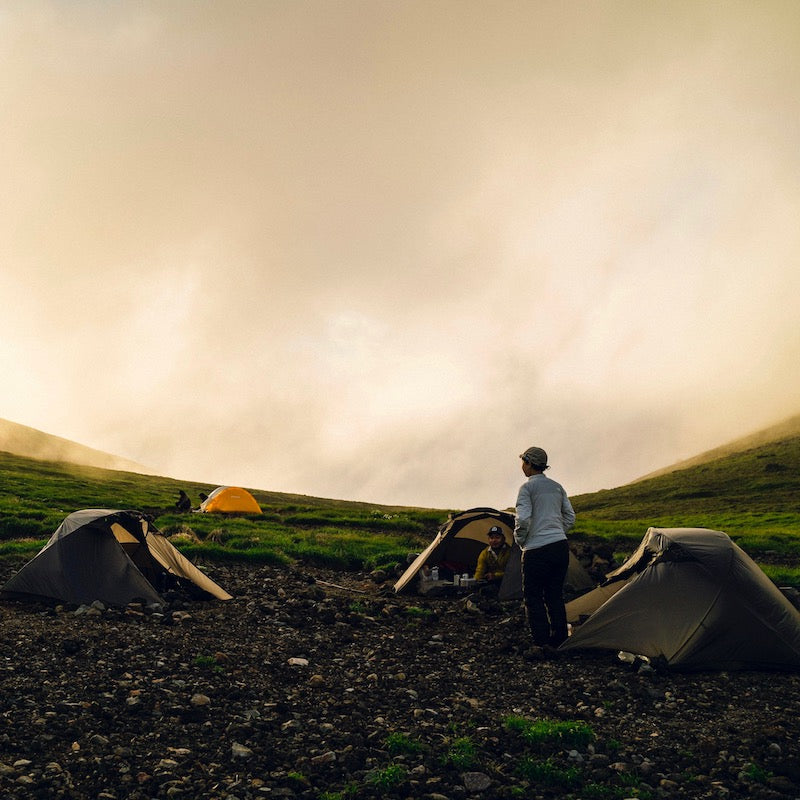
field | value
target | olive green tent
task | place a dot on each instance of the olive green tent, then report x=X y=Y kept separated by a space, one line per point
x=459 y=541
x=113 y=556
x=691 y=599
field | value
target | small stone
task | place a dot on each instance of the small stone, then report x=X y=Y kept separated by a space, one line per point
x=298 y=662
x=240 y=751
x=782 y=784
x=198 y=700
x=476 y=781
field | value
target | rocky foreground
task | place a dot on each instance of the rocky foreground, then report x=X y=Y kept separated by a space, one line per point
x=315 y=684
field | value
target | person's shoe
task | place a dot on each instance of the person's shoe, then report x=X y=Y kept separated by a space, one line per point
x=551 y=653
x=534 y=653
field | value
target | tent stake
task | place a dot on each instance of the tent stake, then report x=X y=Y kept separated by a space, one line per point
x=338 y=586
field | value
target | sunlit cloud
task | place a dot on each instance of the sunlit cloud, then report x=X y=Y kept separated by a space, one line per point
x=375 y=250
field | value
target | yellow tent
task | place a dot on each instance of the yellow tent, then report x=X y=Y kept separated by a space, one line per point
x=230 y=500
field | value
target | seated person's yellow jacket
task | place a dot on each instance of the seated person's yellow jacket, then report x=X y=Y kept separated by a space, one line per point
x=492 y=562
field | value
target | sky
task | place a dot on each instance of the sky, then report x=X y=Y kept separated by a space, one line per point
x=373 y=250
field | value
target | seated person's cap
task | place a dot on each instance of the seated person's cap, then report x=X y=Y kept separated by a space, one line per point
x=495 y=531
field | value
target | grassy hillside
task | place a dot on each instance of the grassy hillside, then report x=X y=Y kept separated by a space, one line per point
x=33 y=443
x=752 y=494
x=36 y=495
x=787 y=429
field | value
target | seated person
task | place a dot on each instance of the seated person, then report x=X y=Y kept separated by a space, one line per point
x=183 y=502
x=492 y=561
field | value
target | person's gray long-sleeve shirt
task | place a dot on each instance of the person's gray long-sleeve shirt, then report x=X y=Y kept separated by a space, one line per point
x=544 y=513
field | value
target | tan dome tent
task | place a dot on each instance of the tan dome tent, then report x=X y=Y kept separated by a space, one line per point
x=113 y=556
x=692 y=599
x=230 y=500
x=458 y=543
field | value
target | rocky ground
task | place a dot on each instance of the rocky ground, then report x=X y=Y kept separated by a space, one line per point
x=316 y=684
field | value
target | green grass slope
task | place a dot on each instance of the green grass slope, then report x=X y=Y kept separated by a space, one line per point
x=750 y=490
x=33 y=443
x=36 y=495
x=753 y=495
x=787 y=429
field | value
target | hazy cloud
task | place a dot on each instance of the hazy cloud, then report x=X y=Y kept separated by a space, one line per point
x=373 y=250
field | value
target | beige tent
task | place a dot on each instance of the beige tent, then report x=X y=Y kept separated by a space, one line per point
x=113 y=556
x=692 y=599
x=230 y=500
x=456 y=547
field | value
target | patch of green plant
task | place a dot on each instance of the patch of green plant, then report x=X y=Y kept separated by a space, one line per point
x=401 y=744
x=22 y=547
x=18 y=526
x=351 y=790
x=373 y=522
x=756 y=773
x=389 y=777
x=416 y=611
x=208 y=662
x=461 y=753
x=549 y=773
x=259 y=555
x=297 y=777
x=782 y=575
x=547 y=731
x=604 y=791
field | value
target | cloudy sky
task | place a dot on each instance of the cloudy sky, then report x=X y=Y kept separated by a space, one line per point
x=372 y=250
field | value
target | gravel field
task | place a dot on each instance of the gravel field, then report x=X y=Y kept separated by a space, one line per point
x=318 y=684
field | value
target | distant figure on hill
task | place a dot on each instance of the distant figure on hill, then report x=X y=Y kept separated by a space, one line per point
x=203 y=497
x=183 y=502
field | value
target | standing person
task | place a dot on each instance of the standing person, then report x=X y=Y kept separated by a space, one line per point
x=544 y=515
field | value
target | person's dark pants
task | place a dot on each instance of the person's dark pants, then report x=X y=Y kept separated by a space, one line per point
x=543 y=573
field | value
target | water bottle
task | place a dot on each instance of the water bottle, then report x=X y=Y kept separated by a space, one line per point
x=435 y=574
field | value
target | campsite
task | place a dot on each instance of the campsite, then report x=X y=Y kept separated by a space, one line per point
x=318 y=680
